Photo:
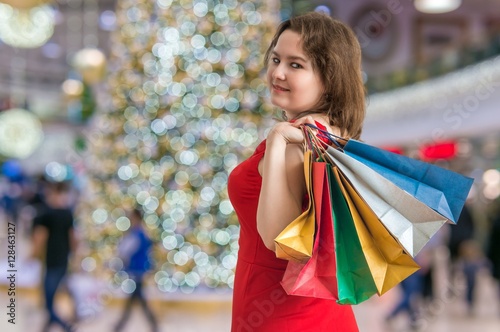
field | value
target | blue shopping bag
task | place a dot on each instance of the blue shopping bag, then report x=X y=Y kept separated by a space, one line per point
x=442 y=190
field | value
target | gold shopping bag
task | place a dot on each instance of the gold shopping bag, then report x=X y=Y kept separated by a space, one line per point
x=295 y=242
x=389 y=264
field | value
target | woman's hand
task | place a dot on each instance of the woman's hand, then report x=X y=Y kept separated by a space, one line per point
x=290 y=131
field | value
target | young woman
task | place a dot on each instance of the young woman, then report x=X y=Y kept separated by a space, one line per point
x=314 y=75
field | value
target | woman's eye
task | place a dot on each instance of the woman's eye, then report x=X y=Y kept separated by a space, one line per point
x=296 y=65
x=275 y=60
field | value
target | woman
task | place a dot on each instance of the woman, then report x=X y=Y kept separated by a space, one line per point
x=314 y=74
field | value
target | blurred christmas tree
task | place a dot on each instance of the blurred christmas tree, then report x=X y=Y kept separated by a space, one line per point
x=187 y=98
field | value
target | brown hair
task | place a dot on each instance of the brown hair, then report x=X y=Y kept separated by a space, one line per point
x=336 y=55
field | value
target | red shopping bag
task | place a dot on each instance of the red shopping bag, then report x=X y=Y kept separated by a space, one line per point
x=316 y=277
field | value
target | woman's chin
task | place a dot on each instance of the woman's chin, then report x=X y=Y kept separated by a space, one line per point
x=279 y=104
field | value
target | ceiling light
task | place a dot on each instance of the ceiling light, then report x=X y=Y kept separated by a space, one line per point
x=437 y=6
x=20 y=133
x=30 y=28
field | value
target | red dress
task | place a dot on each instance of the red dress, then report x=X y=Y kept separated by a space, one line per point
x=259 y=302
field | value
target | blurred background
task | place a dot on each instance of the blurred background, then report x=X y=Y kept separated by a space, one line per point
x=153 y=103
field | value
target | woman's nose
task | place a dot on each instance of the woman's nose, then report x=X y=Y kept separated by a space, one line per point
x=279 y=72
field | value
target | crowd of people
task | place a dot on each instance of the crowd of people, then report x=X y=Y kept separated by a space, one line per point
x=466 y=258
x=43 y=211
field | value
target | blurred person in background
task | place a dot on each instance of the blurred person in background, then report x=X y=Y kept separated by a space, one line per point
x=36 y=199
x=466 y=256
x=461 y=232
x=414 y=289
x=53 y=235
x=134 y=249
x=473 y=259
x=411 y=289
x=11 y=189
x=493 y=251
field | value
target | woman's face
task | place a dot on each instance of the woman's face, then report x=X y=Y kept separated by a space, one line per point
x=295 y=86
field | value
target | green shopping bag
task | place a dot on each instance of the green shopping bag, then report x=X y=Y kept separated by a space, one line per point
x=354 y=279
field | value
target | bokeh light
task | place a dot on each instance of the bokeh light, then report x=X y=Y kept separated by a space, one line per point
x=188 y=96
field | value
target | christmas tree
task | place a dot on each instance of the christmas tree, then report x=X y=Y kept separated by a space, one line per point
x=187 y=104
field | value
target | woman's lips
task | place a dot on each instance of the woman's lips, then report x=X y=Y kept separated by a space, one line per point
x=279 y=88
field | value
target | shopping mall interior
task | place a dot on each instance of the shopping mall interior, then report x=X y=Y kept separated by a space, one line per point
x=153 y=103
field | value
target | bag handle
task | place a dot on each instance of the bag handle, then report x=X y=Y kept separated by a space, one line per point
x=315 y=145
x=329 y=136
x=310 y=142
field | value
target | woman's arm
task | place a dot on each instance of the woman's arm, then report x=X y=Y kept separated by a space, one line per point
x=39 y=241
x=283 y=182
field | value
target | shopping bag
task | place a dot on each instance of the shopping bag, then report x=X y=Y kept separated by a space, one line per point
x=443 y=190
x=295 y=242
x=355 y=281
x=388 y=263
x=316 y=277
x=409 y=220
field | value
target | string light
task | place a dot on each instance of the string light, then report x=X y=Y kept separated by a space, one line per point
x=188 y=94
